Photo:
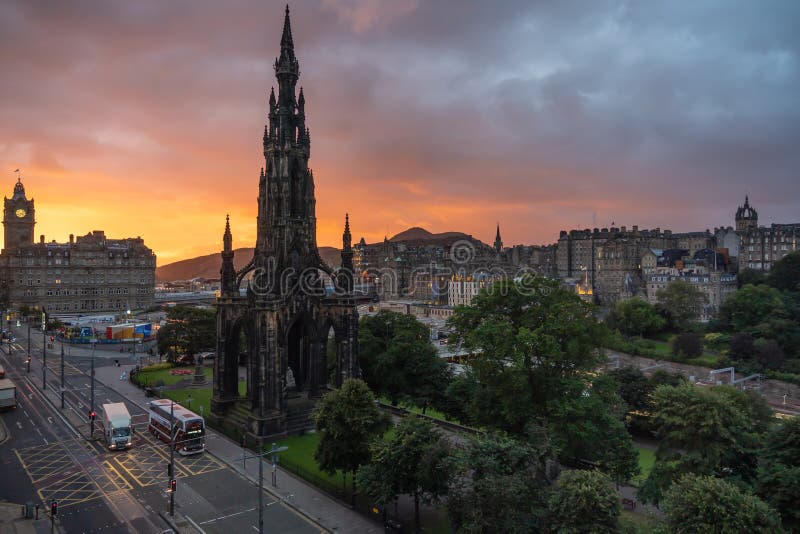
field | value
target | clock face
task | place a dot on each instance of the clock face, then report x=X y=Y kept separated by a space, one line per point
x=20 y=213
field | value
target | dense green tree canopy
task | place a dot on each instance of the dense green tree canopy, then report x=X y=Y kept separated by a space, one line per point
x=763 y=312
x=636 y=317
x=584 y=502
x=785 y=273
x=753 y=308
x=189 y=330
x=681 y=303
x=398 y=360
x=348 y=420
x=587 y=424
x=707 y=504
x=502 y=484
x=531 y=338
x=415 y=460
x=779 y=472
x=710 y=431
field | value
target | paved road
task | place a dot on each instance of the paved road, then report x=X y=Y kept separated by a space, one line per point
x=48 y=457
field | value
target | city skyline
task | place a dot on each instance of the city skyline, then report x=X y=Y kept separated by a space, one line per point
x=541 y=117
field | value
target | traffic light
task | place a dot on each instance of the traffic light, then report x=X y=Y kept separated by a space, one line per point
x=92 y=416
x=53 y=508
x=173 y=485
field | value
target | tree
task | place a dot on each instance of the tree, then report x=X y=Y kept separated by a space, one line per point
x=531 y=338
x=398 y=360
x=785 y=273
x=764 y=312
x=779 y=471
x=456 y=403
x=587 y=424
x=189 y=330
x=687 y=345
x=742 y=348
x=708 y=504
x=708 y=431
x=348 y=420
x=637 y=317
x=501 y=483
x=750 y=276
x=751 y=309
x=416 y=460
x=633 y=386
x=681 y=303
x=769 y=354
x=584 y=502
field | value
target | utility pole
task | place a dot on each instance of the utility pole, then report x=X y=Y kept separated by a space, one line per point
x=260 y=484
x=91 y=408
x=62 y=376
x=172 y=457
x=28 y=320
x=44 y=349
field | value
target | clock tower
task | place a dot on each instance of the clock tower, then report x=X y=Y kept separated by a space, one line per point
x=18 y=219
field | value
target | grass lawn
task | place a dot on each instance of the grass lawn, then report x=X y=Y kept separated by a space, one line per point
x=647 y=458
x=430 y=412
x=200 y=402
x=301 y=455
x=706 y=360
x=150 y=378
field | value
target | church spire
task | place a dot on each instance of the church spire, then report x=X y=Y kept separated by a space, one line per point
x=498 y=243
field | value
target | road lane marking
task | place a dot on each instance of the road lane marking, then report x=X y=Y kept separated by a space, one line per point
x=19 y=425
x=226 y=516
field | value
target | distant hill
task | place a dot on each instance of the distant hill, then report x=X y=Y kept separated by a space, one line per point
x=421 y=234
x=208 y=266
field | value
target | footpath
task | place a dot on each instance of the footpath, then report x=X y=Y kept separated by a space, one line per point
x=329 y=514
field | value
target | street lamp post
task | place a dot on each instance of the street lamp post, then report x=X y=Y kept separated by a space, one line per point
x=273 y=453
x=44 y=349
x=91 y=408
x=28 y=360
x=172 y=457
x=62 y=375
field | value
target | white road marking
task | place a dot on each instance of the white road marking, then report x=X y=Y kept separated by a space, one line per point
x=38 y=431
x=227 y=516
x=26 y=414
x=19 y=424
x=50 y=420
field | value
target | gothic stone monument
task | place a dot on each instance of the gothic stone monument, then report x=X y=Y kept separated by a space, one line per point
x=281 y=328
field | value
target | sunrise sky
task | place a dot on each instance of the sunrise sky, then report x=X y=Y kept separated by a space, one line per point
x=146 y=118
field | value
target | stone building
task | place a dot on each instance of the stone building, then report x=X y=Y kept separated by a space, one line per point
x=761 y=246
x=282 y=326
x=716 y=286
x=85 y=275
x=608 y=261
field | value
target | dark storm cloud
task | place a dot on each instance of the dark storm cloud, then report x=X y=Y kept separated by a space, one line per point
x=451 y=114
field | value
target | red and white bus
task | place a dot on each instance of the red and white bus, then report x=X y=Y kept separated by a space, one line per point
x=189 y=428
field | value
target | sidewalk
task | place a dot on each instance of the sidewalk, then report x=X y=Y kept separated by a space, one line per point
x=306 y=499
